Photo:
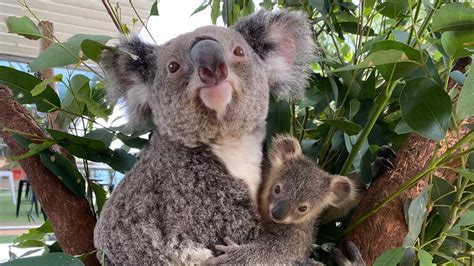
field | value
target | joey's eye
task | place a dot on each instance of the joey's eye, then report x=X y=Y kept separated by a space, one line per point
x=303 y=208
x=238 y=51
x=173 y=67
x=277 y=189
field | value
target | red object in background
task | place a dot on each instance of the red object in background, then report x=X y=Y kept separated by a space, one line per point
x=18 y=173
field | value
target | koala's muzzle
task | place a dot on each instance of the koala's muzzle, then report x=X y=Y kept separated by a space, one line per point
x=280 y=210
x=208 y=58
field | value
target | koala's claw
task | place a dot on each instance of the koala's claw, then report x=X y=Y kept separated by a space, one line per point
x=228 y=247
x=353 y=258
x=384 y=161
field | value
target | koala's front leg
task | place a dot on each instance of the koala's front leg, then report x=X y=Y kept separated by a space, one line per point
x=353 y=258
x=230 y=246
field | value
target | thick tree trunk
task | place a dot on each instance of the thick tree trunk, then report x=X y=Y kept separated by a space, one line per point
x=70 y=215
x=386 y=229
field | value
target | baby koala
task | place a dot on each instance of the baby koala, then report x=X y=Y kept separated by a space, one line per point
x=293 y=196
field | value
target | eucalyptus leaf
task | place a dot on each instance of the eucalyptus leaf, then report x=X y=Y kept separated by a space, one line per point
x=393 y=8
x=349 y=127
x=23 y=26
x=33 y=149
x=101 y=134
x=390 y=258
x=100 y=196
x=21 y=85
x=61 y=167
x=426 y=108
x=380 y=57
x=154 y=9
x=425 y=258
x=453 y=16
x=465 y=106
x=41 y=87
x=442 y=195
x=457 y=43
x=65 y=53
x=93 y=49
x=52 y=259
x=416 y=215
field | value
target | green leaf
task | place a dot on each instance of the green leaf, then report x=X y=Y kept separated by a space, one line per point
x=467 y=173
x=51 y=259
x=132 y=142
x=215 y=10
x=65 y=54
x=344 y=125
x=390 y=257
x=402 y=68
x=426 y=107
x=23 y=26
x=278 y=118
x=21 y=85
x=93 y=49
x=81 y=147
x=453 y=16
x=377 y=58
x=154 y=9
x=456 y=43
x=425 y=258
x=65 y=171
x=465 y=106
x=200 y=8
x=121 y=160
x=33 y=149
x=101 y=134
x=30 y=244
x=100 y=196
x=84 y=95
x=458 y=76
x=41 y=87
x=393 y=8
x=416 y=215
x=442 y=194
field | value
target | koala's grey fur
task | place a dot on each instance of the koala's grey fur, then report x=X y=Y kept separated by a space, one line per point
x=302 y=183
x=181 y=197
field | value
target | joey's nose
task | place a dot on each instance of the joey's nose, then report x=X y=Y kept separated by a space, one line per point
x=280 y=210
x=208 y=58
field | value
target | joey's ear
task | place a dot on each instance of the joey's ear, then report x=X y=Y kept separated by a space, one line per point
x=284 y=148
x=343 y=191
x=284 y=41
x=130 y=71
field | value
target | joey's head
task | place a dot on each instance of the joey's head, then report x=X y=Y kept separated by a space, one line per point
x=213 y=83
x=296 y=189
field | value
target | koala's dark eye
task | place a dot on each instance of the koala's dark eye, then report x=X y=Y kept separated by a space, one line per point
x=238 y=51
x=277 y=189
x=302 y=208
x=173 y=67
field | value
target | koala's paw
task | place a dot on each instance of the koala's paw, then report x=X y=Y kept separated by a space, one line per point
x=229 y=245
x=350 y=257
x=227 y=248
x=383 y=161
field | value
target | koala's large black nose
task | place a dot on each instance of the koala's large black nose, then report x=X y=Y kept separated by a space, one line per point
x=208 y=57
x=280 y=210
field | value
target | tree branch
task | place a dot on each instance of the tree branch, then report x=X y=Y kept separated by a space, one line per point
x=70 y=215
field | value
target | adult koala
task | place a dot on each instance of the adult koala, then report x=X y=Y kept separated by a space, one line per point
x=207 y=92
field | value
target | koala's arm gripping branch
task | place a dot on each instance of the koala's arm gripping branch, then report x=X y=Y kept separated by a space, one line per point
x=70 y=215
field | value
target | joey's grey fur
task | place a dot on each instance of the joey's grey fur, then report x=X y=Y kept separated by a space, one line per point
x=189 y=189
x=295 y=192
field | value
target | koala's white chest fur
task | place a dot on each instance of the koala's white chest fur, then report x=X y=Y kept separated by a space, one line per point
x=243 y=158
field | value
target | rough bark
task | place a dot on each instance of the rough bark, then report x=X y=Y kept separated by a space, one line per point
x=387 y=228
x=70 y=215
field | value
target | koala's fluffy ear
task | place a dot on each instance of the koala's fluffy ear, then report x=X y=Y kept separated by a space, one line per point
x=343 y=191
x=130 y=71
x=284 y=148
x=284 y=41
